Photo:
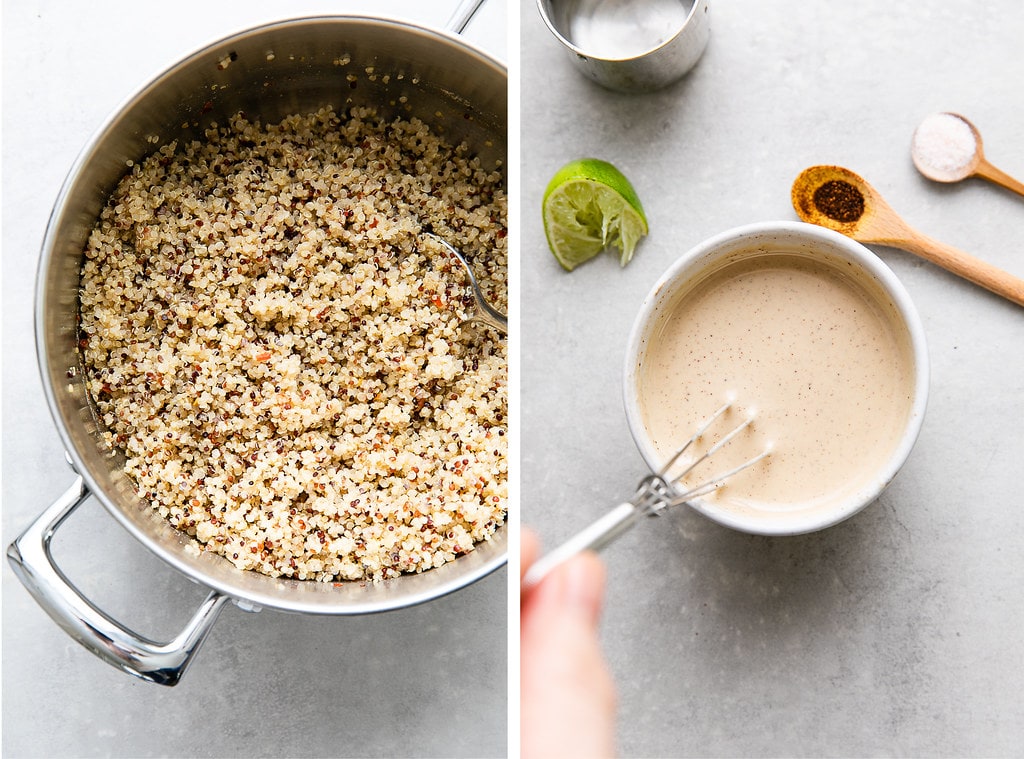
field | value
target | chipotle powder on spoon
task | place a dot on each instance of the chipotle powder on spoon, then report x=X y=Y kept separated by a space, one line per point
x=839 y=200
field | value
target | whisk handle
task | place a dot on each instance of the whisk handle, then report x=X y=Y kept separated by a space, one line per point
x=593 y=538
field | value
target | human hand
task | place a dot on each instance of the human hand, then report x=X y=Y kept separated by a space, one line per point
x=567 y=697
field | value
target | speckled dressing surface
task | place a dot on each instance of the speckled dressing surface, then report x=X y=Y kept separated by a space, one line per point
x=425 y=681
x=896 y=633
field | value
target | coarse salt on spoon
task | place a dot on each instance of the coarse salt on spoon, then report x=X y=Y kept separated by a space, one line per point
x=947 y=148
x=838 y=199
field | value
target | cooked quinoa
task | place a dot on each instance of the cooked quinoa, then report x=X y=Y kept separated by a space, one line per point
x=283 y=359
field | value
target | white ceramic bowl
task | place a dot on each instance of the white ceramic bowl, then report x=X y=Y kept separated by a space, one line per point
x=759 y=239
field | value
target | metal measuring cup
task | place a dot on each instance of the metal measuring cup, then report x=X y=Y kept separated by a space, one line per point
x=630 y=45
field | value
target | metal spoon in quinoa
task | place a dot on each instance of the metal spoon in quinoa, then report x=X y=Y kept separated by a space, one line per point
x=484 y=312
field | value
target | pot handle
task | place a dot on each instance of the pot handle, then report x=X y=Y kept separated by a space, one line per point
x=162 y=663
x=462 y=15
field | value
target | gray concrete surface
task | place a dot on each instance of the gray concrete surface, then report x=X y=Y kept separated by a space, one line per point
x=896 y=633
x=426 y=681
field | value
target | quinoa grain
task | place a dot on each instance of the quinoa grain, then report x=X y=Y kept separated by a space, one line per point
x=284 y=364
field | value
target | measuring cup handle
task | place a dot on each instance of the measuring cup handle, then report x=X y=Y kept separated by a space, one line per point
x=593 y=538
x=462 y=15
x=32 y=561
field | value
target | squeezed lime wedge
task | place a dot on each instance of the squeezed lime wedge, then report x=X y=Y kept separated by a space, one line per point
x=589 y=205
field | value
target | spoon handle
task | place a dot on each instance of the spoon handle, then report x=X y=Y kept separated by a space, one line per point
x=1000 y=177
x=965 y=265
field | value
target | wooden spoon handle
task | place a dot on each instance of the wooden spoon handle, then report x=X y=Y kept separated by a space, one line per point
x=965 y=265
x=991 y=173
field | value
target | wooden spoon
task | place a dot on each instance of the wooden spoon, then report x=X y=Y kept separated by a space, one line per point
x=943 y=151
x=838 y=199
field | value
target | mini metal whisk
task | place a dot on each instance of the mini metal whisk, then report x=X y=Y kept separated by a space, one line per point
x=655 y=493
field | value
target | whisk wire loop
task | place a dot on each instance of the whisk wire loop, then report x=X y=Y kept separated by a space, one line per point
x=663 y=495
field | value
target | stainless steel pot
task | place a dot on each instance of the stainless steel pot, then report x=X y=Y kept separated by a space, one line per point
x=269 y=72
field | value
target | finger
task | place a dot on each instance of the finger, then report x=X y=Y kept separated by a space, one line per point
x=576 y=587
x=529 y=549
x=568 y=697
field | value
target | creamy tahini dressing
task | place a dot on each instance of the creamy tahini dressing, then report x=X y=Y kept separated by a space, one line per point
x=816 y=353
